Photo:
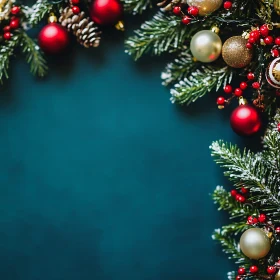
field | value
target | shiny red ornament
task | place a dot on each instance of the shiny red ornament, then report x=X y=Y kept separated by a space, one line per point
x=106 y=12
x=53 y=38
x=245 y=120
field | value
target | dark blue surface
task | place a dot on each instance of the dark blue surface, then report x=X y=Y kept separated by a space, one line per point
x=103 y=178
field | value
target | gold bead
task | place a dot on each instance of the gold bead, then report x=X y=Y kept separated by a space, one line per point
x=235 y=53
x=215 y=29
x=206 y=6
x=221 y=107
x=52 y=18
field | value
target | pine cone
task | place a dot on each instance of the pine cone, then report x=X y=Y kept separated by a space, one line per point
x=83 y=28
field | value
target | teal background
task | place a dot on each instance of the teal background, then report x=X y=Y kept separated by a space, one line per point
x=102 y=177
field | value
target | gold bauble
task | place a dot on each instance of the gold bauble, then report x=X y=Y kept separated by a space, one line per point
x=235 y=53
x=276 y=4
x=206 y=6
x=206 y=46
x=254 y=243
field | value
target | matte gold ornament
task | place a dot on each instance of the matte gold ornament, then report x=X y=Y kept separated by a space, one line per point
x=206 y=46
x=235 y=53
x=276 y=4
x=255 y=244
x=206 y=6
x=273 y=73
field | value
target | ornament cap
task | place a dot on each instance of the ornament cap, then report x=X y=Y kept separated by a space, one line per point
x=242 y=101
x=52 y=18
x=215 y=29
x=120 y=25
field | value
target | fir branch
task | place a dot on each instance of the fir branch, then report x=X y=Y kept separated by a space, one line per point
x=34 y=55
x=6 y=51
x=230 y=247
x=200 y=82
x=236 y=209
x=162 y=33
x=37 y=12
x=137 y=6
x=249 y=169
x=179 y=68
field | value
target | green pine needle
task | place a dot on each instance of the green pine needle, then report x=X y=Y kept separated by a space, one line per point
x=34 y=55
x=137 y=6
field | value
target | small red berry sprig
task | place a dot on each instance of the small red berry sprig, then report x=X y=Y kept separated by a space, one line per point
x=14 y=23
x=193 y=11
x=253 y=271
x=239 y=91
x=74 y=6
x=240 y=197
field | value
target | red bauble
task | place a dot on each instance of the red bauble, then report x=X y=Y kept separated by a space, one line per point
x=106 y=12
x=53 y=38
x=245 y=120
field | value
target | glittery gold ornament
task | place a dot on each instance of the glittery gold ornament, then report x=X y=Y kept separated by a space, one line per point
x=206 y=46
x=235 y=53
x=206 y=6
x=276 y=4
x=254 y=243
x=273 y=73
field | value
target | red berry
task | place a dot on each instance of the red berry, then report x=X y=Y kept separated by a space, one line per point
x=7 y=35
x=275 y=53
x=238 y=277
x=254 y=269
x=271 y=270
x=262 y=218
x=277 y=41
x=256 y=85
x=233 y=193
x=241 y=271
x=277 y=230
x=249 y=46
x=244 y=190
x=76 y=10
x=75 y=2
x=7 y=28
x=241 y=199
x=186 y=20
x=268 y=40
x=228 y=89
x=177 y=10
x=238 y=92
x=193 y=10
x=243 y=85
x=264 y=30
x=251 y=220
x=14 y=24
x=255 y=34
x=227 y=5
x=250 y=76
x=221 y=100
x=252 y=40
x=15 y=10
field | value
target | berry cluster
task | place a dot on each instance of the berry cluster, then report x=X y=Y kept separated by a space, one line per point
x=253 y=270
x=14 y=23
x=75 y=9
x=251 y=220
x=192 y=12
x=240 y=197
x=261 y=36
x=237 y=92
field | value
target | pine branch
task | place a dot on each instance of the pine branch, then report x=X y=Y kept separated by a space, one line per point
x=230 y=247
x=6 y=51
x=201 y=81
x=179 y=68
x=34 y=55
x=137 y=6
x=37 y=12
x=236 y=209
x=161 y=34
x=249 y=169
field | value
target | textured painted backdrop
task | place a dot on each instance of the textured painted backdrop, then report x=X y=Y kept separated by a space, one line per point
x=102 y=178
